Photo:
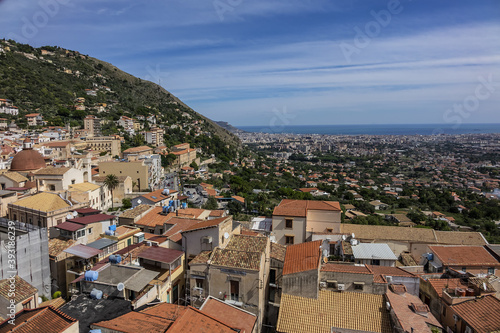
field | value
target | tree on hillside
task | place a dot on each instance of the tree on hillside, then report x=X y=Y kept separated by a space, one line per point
x=111 y=182
x=211 y=204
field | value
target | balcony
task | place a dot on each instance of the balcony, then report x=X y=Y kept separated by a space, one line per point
x=457 y=295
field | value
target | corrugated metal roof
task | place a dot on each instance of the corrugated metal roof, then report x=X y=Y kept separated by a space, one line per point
x=70 y=226
x=373 y=251
x=141 y=279
x=102 y=243
x=83 y=251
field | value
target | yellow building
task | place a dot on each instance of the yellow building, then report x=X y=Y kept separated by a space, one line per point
x=124 y=235
x=137 y=170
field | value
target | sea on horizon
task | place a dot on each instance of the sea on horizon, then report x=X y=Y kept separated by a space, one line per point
x=378 y=129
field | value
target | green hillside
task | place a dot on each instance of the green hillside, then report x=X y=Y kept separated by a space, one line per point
x=48 y=80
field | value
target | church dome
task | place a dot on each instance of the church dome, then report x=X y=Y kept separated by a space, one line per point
x=26 y=160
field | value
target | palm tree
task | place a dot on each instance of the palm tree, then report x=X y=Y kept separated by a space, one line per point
x=111 y=182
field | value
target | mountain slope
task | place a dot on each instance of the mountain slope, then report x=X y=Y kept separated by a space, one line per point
x=48 y=80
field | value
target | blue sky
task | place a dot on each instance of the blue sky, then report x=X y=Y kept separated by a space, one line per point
x=258 y=62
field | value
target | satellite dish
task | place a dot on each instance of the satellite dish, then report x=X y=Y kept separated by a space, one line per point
x=75 y=214
x=139 y=201
x=40 y=300
x=69 y=217
x=226 y=235
x=120 y=286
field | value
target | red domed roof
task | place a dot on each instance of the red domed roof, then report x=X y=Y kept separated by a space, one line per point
x=27 y=159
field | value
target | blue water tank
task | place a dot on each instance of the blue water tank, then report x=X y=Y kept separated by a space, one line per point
x=164 y=209
x=96 y=294
x=115 y=258
x=430 y=256
x=112 y=227
x=184 y=205
x=91 y=276
x=171 y=202
x=109 y=232
x=95 y=331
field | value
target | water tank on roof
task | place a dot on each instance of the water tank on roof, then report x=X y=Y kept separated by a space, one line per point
x=184 y=205
x=430 y=256
x=171 y=208
x=96 y=294
x=164 y=209
x=115 y=258
x=178 y=203
x=95 y=331
x=166 y=191
x=91 y=276
x=109 y=233
x=112 y=227
x=171 y=202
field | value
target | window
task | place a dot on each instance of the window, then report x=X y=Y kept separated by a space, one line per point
x=235 y=290
x=289 y=240
x=288 y=223
x=376 y=262
x=358 y=285
x=331 y=284
x=52 y=187
x=464 y=269
x=73 y=181
x=199 y=283
x=90 y=230
x=491 y=270
x=272 y=276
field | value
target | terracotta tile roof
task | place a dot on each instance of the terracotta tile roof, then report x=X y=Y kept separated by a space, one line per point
x=288 y=207
x=201 y=258
x=56 y=303
x=137 y=149
x=460 y=238
x=410 y=321
x=157 y=196
x=133 y=322
x=165 y=310
x=464 y=256
x=353 y=311
x=278 y=251
x=195 y=321
x=236 y=259
x=179 y=224
x=153 y=218
x=341 y=268
x=15 y=176
x=217 y=213
x=439 y=284
x=390 y=271
x=44 y=202
x=207 y=224
x=481 y=314
x=195 y=213
x=230 y=315
x=302 y=257
x=84 y=187
x=138 y=210
x=24 y=290
x=52 y=171
x=247 y=243
x=46 y=320
x=57 y=245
